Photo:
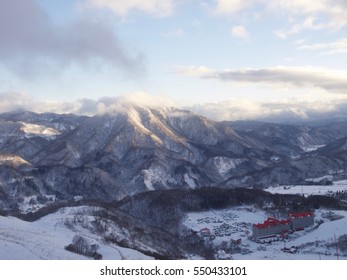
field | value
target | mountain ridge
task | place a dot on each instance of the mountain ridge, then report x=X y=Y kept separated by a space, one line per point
x=138 y=149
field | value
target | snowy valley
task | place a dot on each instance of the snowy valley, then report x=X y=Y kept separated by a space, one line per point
x=158 y=183
x=219 y=227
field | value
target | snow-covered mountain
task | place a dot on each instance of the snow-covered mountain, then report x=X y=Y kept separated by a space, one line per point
x=137 y=149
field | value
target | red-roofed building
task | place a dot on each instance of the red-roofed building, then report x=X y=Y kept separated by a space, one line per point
x=300 y=215
x=301 y=220
x=272 y=226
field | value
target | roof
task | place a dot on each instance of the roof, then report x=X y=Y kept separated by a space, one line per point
x=271 y=222
x=300 y=215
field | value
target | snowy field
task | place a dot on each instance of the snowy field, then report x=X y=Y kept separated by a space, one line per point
x=236 y=223
x=337 y=186
x=47 y=237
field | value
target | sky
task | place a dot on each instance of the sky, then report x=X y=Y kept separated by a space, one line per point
x=273 y=60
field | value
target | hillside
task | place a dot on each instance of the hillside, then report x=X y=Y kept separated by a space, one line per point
x=50 y=157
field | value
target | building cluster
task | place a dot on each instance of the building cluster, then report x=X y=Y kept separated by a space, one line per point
x=272 y=226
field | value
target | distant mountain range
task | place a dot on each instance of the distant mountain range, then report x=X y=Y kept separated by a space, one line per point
x=108 y=157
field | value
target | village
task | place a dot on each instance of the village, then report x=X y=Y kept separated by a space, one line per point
x=251 y=233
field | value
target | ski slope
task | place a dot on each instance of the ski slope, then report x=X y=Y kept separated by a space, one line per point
x=46 y=238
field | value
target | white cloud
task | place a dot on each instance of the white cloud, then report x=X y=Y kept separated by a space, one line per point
x=10 y=101
x=123 y=8
x=272 y=111
x=145 y=99
x=233 y=109
x=316 y=14
x=336 y=47
x=13 y=101
x=240 y=32
x=303 y=14
x=233 y=6
x=284 y=34
x=299 y=6
x=283 y=77
x=194 y=71
x=309 y=23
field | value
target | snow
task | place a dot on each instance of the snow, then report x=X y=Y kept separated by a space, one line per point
x=211 y=219
x=31 y=204
x=337 y=186
x=311 y=148
x=135 y=119
x=328 y=230
x=190 y=181
x=225 y=164
x=154 y=120
x=316 y=242
x=147 y=179
x=306 y=144
x=156 y=174
x=47 y=237
x=39 y=240
x=74 y=151
x=13 y=160
x=312 y=243
x=318 y=179
x=31 y=130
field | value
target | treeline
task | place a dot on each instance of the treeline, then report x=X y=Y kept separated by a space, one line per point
x=166 y=208
x=163 y=244
x=169 y=206
x=51 y=208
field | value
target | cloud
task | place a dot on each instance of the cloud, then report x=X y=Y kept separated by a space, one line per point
x=21 y=101
x=276 y=111
x=145 y=99
x=15 y=101
x=120 y=104
x=314 y=14
x=289 y=110
x=31 y=43
x=193 y=71
x=298 y=77
x=240 y=32
x=309 y=23
x=123 y=8
x=233 y=6
x=336 y=47
x=303 y=14
x=284 y=34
